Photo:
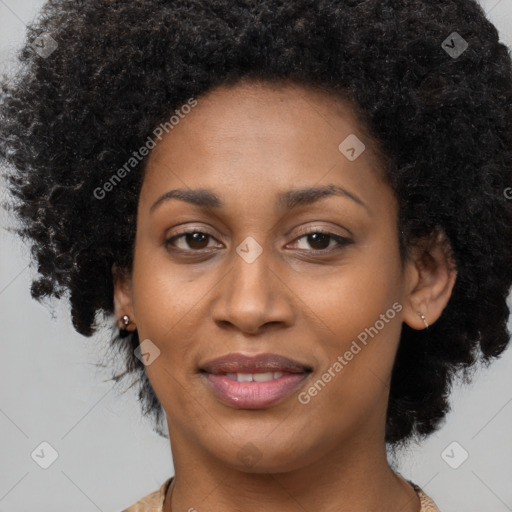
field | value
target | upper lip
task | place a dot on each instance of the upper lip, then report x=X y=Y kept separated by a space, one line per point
x=241 y=363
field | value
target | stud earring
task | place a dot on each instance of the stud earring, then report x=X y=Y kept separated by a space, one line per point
x=123 y=331
x=422 y=316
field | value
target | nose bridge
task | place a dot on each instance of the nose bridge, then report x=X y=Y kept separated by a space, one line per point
x=251 y=287
x=251 y=295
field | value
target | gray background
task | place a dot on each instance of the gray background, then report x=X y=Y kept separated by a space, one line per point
x=108 y=456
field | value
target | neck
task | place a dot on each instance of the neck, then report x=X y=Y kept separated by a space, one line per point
x=356 y=476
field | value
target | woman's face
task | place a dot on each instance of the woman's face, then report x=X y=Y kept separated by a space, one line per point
x=255 y=278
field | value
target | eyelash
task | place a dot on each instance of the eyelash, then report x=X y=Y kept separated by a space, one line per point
x=341 y=241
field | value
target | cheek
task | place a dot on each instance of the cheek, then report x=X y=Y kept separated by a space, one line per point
x=166 y=307
x=360 y=309
x=352 y=297
x=162 y=296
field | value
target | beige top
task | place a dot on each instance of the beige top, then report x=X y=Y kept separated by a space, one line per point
x=154 y=502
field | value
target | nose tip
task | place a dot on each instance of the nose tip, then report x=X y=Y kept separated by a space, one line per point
x=252 y=297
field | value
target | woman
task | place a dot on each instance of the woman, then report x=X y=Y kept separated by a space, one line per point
x=295 y=213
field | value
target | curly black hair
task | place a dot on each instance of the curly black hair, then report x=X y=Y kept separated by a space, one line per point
x=429 y=80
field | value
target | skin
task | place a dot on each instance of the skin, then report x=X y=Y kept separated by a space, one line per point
x=198 y=299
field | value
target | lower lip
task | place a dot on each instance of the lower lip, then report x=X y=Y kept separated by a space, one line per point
x=253 y=395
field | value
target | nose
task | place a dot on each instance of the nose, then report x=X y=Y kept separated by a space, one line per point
x=253 y=296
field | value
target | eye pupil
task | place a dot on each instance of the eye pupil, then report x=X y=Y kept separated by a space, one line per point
x=316 y=238
x=196 y=238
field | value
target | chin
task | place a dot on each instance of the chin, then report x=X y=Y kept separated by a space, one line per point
x=260 y=456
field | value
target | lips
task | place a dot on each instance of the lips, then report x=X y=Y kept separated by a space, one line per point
x=261 y=363
x=253 y=382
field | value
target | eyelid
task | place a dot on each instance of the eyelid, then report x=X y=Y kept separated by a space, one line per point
x=321 y=229
x=191 y=229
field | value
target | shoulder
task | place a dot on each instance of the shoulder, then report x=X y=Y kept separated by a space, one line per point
x=427 y=503
x=153 y=502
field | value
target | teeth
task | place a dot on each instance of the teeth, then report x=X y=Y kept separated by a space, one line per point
x=256 y=377
x=262 y=377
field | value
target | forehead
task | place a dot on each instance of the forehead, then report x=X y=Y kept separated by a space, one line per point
x=263 y=111
x=258 y=137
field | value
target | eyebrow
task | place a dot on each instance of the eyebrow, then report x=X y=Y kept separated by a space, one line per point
x=289 y=199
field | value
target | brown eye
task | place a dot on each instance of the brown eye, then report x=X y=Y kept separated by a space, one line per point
x=189 y=240
x=319 y=240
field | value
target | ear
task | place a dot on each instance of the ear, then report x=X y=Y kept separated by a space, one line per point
x=430 y=277
x=123 y=304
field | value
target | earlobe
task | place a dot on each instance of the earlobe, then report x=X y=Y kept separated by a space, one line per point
x=423 y=318
x=431 y=277
x=123 y=306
